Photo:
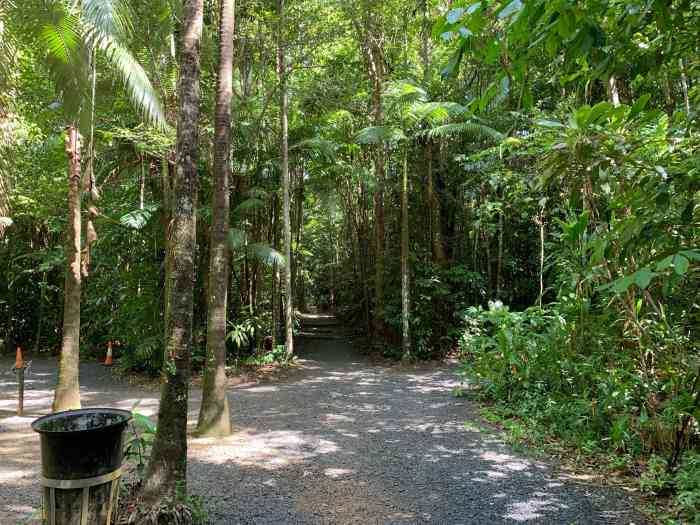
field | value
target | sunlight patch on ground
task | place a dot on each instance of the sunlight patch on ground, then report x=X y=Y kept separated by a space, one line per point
x=533 y=508
x=336 y=473
x=269 y=450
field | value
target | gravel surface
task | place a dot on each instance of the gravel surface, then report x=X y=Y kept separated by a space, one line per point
x=340 y=442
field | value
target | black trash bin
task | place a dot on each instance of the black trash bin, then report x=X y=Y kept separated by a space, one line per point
x=81 y=459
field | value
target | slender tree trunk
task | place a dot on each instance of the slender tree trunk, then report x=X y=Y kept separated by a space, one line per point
x=275 y=274
x=284 y=154
x=540 y=223
x=376 y=61
x=298 y=259
x=214 y=417
x=684 y=86
x=167 y=468
x=67 y=395
x=405 y=277
x=438 y=248
x=614 y=91
x=40 y=315
x=489 y=265
x=499 y=267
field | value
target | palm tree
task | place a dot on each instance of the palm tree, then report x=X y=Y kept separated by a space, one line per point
x=284 y=154
x=214 y=417
x=72 y=35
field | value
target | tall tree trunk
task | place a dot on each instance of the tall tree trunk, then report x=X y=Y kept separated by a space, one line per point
x=540 y=223
x=284 y=154
x=167 y=468
x=275 y=273
x=40 y=315
x=405 y=277
x=214 y=417
x=376 y=63
x=67 y=394
x=684 y=86
x=438 y=248
x=499 y=267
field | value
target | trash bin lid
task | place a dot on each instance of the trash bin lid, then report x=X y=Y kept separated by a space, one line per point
x=82 y=420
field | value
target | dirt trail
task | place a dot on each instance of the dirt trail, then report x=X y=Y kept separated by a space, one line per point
x=340 y=442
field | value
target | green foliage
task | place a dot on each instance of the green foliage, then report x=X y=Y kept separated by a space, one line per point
x=278 y=355
x=140 y=438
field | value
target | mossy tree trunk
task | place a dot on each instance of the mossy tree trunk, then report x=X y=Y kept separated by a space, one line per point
x=214 y=417
x=167 y=469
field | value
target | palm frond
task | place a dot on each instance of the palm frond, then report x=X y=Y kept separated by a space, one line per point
x=252 y=203
x=61 y=39
x=138 y=219
x=469 y=130
x=437 y=113
x=379 y=135
x=141 y=91
x=236 y=238
x=325 y=148
x=267 y=254
x=108 y=29
x=107 y=17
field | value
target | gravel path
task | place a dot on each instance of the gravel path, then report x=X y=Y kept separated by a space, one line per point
x=341 y=442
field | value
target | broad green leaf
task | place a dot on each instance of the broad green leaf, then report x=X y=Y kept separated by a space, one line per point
x=664 y=263
x=643 y=277
x=623 y=284
x=639 y=105
x=680 y=264
x=598 y=111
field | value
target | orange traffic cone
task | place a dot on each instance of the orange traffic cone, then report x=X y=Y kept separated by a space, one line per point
x=19 y=362
x=108 y=359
